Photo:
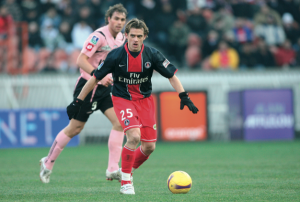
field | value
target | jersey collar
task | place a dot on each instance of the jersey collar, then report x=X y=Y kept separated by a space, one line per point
x=128 y=52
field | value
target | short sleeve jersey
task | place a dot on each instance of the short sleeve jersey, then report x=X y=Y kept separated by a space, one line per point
x=98 y=45
x=132 y=75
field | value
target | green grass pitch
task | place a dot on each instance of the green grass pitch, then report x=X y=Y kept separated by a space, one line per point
x=238 y=171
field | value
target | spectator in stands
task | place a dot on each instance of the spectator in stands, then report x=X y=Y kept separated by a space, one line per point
x=178 y=35
x=242 y=33
x=85 y=15
x=161 y=28
x=47 y=4
x=291 y=27
x=95 y=14
x=248 y=59
x=69 y=16
x=193 y=51
x=13 y=9
x=196 y=21
x=225 y=58
x=285 y=56
x=222 y=21
x=50 y=35
x=34 y=36
x=292 y=7
x=6 y=23
x=276 y=6
x=242 y=8
x=264 y=56
x=272 y=32
x=31 y=10
x=65 y=33
x=80 y=32
x=210 y=44
x=63 y=5
x=51 y=15
x=264 y=15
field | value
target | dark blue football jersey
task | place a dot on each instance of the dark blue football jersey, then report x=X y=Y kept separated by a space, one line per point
x=132 y=75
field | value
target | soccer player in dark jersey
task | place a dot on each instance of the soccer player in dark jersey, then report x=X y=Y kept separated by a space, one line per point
x=94 y=51
x=132 y=66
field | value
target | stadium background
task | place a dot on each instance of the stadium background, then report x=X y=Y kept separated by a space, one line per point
x=220 y=47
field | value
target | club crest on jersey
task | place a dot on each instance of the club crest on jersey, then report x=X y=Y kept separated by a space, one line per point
x=166 y=63
x=147 y=65
x=154 y=126
x=89 y=47
x=106 y=48
x=126 y=122
x=94 y=40
x=99 y=67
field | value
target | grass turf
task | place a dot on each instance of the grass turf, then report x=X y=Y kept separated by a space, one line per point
x=239 y=171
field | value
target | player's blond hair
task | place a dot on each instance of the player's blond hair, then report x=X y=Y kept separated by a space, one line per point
x=115 y=8
x=137 y=24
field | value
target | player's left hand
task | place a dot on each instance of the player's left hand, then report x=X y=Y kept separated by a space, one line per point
x=107 y=80
x=186 y=101
x=74 y=108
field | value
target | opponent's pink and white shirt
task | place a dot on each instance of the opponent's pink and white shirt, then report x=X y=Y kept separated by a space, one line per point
x=98 y=45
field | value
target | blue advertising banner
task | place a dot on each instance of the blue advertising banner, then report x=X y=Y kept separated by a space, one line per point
x=268 y=114
x=32 y=127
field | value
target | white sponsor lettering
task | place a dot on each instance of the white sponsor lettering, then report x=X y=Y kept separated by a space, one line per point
x=133 y=81
x=185 y=133
x=269 y=121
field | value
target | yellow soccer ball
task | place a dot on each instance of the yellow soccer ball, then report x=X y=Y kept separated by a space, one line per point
x=179 y=182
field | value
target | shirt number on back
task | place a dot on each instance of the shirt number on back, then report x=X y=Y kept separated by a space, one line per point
x=127 y=115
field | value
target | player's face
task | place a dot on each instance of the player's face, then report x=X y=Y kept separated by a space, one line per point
x=116 y=22
x=135 y=39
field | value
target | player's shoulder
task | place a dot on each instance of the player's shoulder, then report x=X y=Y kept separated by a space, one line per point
x=150 y=49
x=115 y=53
x=100 y=32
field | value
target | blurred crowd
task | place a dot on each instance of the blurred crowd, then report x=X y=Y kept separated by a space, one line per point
x=195 y=34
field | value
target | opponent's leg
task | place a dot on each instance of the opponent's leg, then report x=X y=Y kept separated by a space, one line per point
x=128 y=157
x=115 y=142
x=61 y=140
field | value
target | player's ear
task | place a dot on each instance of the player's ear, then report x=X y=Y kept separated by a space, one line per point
x=108 y=19
x=126 y=35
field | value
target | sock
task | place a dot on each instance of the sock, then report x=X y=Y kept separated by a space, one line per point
x=128 y=156
x=140 y=158
x=115 y=142
x=58 y=145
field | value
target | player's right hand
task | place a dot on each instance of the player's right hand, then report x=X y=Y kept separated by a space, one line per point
x=106 y=81
x=74 y=108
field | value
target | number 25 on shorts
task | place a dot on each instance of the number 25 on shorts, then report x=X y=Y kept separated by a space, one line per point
x=127 y=114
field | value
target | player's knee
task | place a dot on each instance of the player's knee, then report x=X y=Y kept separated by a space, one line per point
x=149 y=147
x=75 y=130
x=133 y=136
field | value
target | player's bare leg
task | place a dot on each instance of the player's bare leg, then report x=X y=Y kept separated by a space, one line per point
x=115 y=143
x=61 y=140
x=128 y=156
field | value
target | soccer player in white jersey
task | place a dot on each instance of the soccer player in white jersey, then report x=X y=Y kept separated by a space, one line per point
x=94 y=51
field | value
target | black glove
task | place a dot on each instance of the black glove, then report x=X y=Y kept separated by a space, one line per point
x=92 y=73
x=74 y=108
x=185 y=100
